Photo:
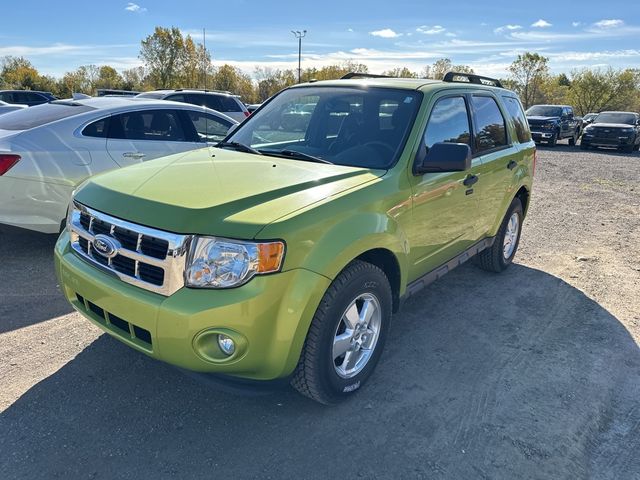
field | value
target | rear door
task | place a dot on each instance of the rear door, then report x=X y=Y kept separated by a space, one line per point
x=143 y=135
x=499 y=152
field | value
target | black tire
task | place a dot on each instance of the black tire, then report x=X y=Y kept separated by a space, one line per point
x=492 y=259
x=628 y=149
x=553 y=141
x=315 y=375
x=584 y=146
x=636 y=147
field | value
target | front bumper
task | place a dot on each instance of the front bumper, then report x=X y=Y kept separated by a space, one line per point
x=541 y=135
x=609 y=142
x=269 y=317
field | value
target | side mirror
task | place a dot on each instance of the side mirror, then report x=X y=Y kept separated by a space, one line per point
x=443 y=157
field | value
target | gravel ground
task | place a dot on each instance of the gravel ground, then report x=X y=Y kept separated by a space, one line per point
x=534 y=373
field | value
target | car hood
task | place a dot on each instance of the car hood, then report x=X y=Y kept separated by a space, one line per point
x=542 y=119
x=611 y=125
x=217 y=192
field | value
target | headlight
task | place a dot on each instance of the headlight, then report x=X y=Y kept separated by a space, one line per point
x=627 y=130
x=69 y=214
x=221 y=263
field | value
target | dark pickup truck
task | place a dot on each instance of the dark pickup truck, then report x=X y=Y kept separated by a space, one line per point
x=550 y=123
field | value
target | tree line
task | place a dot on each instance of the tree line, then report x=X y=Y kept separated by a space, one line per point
x=173 y=60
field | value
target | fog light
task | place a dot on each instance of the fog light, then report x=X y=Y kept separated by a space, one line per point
x=227 y=345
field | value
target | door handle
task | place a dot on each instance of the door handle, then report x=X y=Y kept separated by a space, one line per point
x=136 y=155
x=512 y=164
x=470 y=180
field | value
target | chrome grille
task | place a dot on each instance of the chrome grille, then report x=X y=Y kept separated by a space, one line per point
x=147 y=258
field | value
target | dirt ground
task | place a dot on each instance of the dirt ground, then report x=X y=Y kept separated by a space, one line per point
x=531 y=374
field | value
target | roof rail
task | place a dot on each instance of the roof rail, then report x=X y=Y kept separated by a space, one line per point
x=362 y=75
x=203 y=90
x=472 y=78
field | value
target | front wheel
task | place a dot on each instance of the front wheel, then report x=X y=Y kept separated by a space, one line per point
x=553 y=140
x=574 y=138
x=500 y=255
x=346 y=336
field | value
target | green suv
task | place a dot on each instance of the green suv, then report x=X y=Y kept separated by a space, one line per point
x=283 y=251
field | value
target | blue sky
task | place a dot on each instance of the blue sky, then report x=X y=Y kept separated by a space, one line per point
x=383 y=34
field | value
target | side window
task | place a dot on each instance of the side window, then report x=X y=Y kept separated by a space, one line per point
x=209 y=101
x=449 y=122
x=517 y=115
x=490 y=131
x=177 y=98
x=5 y=97
x=97 y=129
x=230 y=104
x=163 y=125
x=208 y=127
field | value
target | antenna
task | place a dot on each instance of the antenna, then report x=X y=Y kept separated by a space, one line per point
x=204 y=58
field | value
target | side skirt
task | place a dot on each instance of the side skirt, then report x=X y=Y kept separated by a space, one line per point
x=428 y=278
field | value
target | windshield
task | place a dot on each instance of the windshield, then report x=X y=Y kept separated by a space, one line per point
x=544 y=111
x=42 y=114
x=361 y=127
x=613 y=117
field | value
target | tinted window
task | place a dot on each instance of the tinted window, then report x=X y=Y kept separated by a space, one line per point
x=230 y=104
x=6 y=97
x=514 y=109
x=208 y=127
x=154 y=95
x=41 y=115
x=614 y=117
x=163 y=125
x=490 y=131
x=544 y=111
x=177 y=98
x=449 y=122
x=97 y=129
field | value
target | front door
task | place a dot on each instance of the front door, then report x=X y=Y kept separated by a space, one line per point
x=444 y=208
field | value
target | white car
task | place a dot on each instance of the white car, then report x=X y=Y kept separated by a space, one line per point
x=47 y=150
x=8 y=107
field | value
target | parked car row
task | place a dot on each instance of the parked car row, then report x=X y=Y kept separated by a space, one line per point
x=551 y=123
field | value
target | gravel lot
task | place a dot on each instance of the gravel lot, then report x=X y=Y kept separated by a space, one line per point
x=534 y=373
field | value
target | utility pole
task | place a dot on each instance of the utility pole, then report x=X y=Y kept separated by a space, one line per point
x=299 y=35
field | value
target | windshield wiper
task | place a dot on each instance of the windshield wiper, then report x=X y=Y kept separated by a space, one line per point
x=298 y=156
x=241 y=147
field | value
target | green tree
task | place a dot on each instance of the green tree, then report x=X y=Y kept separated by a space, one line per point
x=108 y=77
x=163 y=53
x=529 y=71
x=440 y=67
x=596 y=90
x=400 y=72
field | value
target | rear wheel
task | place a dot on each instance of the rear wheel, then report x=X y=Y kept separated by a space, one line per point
x=500 y=255
x=584 y=146
x=346 y=336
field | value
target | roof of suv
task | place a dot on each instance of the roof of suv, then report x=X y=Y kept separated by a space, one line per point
x=402 y=83
x=168 y=91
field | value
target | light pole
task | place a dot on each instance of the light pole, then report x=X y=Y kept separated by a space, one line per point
x=299 y=35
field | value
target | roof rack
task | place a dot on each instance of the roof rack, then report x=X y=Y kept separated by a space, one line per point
x=362 y=75
x=472 y=78
x=202 y=90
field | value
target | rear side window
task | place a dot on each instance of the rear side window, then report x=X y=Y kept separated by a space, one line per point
x=490 y=131
x=163 y=125
x=41 y=115
x=449 y=122
x=514 y=109
x=97 y=129
x=177 y=98
x=230 y=104
x=208 y=127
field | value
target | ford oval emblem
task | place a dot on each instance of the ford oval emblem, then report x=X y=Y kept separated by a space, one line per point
x=106 y=246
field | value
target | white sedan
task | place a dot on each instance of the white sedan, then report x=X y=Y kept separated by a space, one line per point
x=10 y=107
x=47 y=150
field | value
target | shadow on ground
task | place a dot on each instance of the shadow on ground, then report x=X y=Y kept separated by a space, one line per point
x=28 y=285
x=517 y=375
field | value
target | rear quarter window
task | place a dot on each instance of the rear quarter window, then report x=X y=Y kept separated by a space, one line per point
x=515 y=111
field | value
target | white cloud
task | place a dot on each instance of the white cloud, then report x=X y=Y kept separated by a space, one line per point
x=576 y=24
x=541 y=24
x=349 y=29
x=436 y=29
x=385 y=33
x=134 y=7
x=505 y=28
x=609 y=23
